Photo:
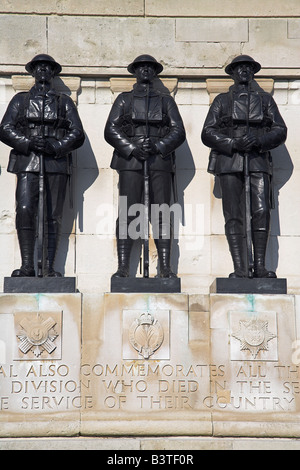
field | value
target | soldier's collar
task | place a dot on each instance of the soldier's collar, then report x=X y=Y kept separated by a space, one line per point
x=35 y=92
x=141 y=89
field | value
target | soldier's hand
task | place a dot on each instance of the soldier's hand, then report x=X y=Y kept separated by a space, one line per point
x=245 y=143
x=149 y=147
x=140 y=154
x=37 y=144
x=49 y=149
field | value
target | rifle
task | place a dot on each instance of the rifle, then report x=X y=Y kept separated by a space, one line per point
x=146 y=198
x=250 y=264
x=41 y=208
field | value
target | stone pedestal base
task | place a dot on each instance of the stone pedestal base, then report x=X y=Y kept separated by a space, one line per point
x=141 y=284
x=30 y=285
x=248 y=286
x=145 y=364
x=40 y=351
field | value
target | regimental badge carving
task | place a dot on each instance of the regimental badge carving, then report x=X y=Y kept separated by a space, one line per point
x=254 y=336
x=37 y=334
x=146 y=335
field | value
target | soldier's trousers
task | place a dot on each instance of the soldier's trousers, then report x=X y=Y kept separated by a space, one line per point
x=233 y=201
x=27 y=198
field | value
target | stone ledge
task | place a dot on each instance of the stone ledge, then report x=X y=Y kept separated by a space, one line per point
x=159 y=443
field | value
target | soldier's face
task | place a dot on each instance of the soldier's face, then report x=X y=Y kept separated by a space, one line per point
x=43 y=72
x=243 y=73
x=145 y=73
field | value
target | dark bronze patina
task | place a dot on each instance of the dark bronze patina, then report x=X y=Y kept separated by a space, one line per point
x=43 y=127
x=145 y=128
x=241 y=128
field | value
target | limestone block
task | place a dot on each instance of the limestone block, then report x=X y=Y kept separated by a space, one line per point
x=191 y=93
x=266 y=47
x=31 y=38
x=91 y=41
x=7 y=202
x=192 y=154
x=196 y=258
x=254 y=336
x=296 y=357
x=153 y=392
x=95 y=152
x=6 y=91
x=281 y=92
x=287 y=247
x=103 y=92
x=294 y=28
x=8 y=255
x=75 y=7
x=288 y=213
x=94 y=283
x=221 y=266
x=290 y=154
x=94 y=255
x=212 y=30
x=208 y=8
x=94 y=201
x=40 y=364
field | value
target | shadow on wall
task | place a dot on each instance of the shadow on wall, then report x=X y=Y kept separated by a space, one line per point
x=79 y=182
x=282 y=171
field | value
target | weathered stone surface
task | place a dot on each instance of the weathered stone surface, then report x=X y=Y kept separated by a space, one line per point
x=215 y=8
x=77 y=7
x=40 y=352
x=212 y=30
x=31 y=38
x=151 y=364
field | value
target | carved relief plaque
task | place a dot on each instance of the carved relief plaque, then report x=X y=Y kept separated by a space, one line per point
x=145 y=334
x=253 y=336
x=37 y=335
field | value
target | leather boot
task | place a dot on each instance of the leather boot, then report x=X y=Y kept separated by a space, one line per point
x=53 y=241
x=237 y=249
x=124 y=250
x=26 y=241
x=164 y=255
x=260 y=241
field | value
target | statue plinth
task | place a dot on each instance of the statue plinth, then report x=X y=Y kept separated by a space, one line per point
x=31 y=285
x=248 y=286
x=141 y=284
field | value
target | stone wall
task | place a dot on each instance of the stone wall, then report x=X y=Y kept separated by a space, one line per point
x=94 y=42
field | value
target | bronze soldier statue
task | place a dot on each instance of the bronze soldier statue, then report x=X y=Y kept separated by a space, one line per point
x=43 y=128
x=241 y=128
x=144 y=125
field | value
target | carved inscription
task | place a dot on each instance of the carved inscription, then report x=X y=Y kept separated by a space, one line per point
x=150 y=386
